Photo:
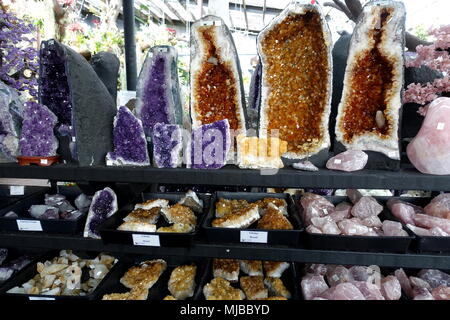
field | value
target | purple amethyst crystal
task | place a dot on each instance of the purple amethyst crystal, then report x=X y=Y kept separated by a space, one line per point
x=167 y=145
x=104 y=205
x=130 y=145
x=210 y=144
x=37 y=138
x=158 y=97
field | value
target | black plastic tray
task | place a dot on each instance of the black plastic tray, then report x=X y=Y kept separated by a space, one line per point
x=160 y=289
x=47 y=225
x=7 y=199
x=274 y=237
x=425 y=243
x=358 y=243
x=110 y=234
x=29 y=272
x=289 y=278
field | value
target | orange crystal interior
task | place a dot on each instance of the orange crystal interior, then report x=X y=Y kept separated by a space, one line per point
x=215 y=85
x=297 y=75
x=371 y=81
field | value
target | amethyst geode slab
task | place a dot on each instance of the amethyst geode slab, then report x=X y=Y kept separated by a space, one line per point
x=103 y=206
x=167 y=145
x=209 y=145
x=69 y=86
x=37 y=138
x=130 y=145
x=158 y=94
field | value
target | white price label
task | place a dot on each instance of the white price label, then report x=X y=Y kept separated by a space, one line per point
x=254 y=236
x=74 y=139
x=212 y=23
x=44 y=161
x=109 y=163
x=29 y=225
x=440 y=126
x=337 y=161
x=162 y=49
x=16 y=190
x=146 y=240
x=42 y=298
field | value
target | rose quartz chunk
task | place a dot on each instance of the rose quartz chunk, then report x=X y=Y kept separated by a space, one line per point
x=419 y=231
x=429 y=151
x=438 y=232
x=439 y=206
x=341 y=212
x=319 y=298
x=422 y=294
x=313 y=286
x=435 y=277
x=360 y=273
x=347 y=291
x=403 y=211
x=419 y=283
x=441 y=293
x=368 y=290
x=390 y=288
x=338 y=274
x=350 y=160
x=366 y=207
x=317 y=269
x=393 y=229
x=404 y=282
x=372 y=221
x=315 y=206
x=426 y=221
x=312 y=229
x=328 y=294
x=352 y=228
x=331 y=228
x=354 y=195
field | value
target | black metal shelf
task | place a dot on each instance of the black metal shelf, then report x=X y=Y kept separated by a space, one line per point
x=236 y=251
x=231 y=175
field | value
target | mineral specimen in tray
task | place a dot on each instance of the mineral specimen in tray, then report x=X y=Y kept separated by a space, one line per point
x=11 y=113
x=209 y=146
x=295 y=51
x=37 y=138
x=350 y=160
x=167 y=145
x=369 y=111
x=158 y=96
x=104 y=205
x=305 y=165
x=217 y=91
x=70 y=88
x=260 y=153
x=130 y=145
x=429 y=151
x=82 y=202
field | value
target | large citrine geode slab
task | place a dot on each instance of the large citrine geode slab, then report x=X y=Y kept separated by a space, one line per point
x=216 y=82
x=295 y=51
x=369 y=111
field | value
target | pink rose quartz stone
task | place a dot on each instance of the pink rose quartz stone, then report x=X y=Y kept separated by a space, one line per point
x=352 y=228
x=338 y=274
x=403 y=211
x=330 y=228
x=315 y=206
x=372 y=233
x=419 y=283
x=368 y=290
x=426 y=221
x=317 y=269
x=429 y=151
x=312 y=229
x=422 y=294
x=390 y=288
x=404 y=282
x=439 y=206
x=350 y=160
x=434 y=277
x=372 y=221
x=366 y=207
x=393 y=229
x=438 y=232
x=347 y=291
x=341 y=212
x=441 y=293
x=419 y=231
x=328 y=294
x=313 y=286
x=354 y=195
x=360 y=273
x=319 y=298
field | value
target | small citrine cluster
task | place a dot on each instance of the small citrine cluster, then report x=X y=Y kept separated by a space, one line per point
x=260 y=152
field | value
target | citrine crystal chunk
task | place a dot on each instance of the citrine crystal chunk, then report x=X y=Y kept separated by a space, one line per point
x=295 y=51
x=260 y=153
x=369 y=111
x=216 y=81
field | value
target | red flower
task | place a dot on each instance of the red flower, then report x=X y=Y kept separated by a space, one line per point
x=67 y=3
x=75 y=27
x=96 y=22
x=170 y=30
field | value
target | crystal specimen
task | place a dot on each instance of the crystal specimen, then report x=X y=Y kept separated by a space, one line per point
x=210 y=144
x=82 y=202
x=347 y=291
x=260 y=153
x=11 y=113
x=37 y=138
x=104 y=205
x=158 y=96
x=390 y=288
x=192 y=201
x=393 y=229
x=352 y=228
x=341 y=212
x=39 y=211
x=338 y=274
x=369 y=111
x=130 y=145
x=295 y=51
x=366 y=207
x=403 y=211
x=429 y=150
x=435 y=278
x=305 y=165
x=167 y=145
x=404 y=282
x=313 y=286
x=441 y=293
x=368 y=290
x=106 y=65
x=350 y=160
x=426 y=221
x=70 y=88
x=217 y=91
x=439 y=206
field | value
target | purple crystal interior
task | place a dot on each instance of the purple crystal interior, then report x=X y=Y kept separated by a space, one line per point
x=210 y=145
x=167 y=145
x=154 y=99
x=104 y=204
x=53 y=84
x=130 y=145
x=37 y=138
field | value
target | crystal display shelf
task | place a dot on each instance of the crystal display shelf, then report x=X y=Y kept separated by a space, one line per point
x=236 y=251
x=406 y=178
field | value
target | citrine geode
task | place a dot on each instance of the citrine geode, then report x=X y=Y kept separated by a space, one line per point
x=217 y=91
x=295 y=52
x=158 y=94
x=369 y=111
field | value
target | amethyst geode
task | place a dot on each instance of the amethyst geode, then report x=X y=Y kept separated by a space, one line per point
x=210 y=144
x=37 y=138
x=158 y=95
x=103 y=206
x=70 y=88
x=130 y=145
x=167 y=145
